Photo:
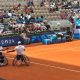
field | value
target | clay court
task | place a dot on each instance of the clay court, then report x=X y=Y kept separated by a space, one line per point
x=48 y=62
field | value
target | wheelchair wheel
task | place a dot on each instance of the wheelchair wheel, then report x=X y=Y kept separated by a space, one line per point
x=26 y=60
x=5 y=62
x=14 y=61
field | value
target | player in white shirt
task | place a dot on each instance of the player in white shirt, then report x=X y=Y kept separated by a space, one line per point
x=20 y=56
x=19 y=51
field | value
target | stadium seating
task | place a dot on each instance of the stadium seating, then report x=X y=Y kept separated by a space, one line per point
x=46 y=41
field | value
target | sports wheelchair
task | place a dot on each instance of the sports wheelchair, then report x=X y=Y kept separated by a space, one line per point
x=3 y=61
x=21 y=60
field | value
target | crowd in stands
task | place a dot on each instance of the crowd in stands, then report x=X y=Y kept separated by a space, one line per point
x=55 y=5
x=22 y=19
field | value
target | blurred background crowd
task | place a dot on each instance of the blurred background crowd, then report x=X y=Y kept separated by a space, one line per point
x=31 y=16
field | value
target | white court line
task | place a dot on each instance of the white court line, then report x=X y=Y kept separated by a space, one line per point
x=56 y=67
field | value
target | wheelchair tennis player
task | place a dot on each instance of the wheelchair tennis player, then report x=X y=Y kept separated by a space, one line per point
x=20 y=55
x=3 y=59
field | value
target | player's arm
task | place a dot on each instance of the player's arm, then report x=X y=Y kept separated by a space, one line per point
x=5 y=49
x=11 y=50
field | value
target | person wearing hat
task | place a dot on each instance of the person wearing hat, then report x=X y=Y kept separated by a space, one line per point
x=19 y=51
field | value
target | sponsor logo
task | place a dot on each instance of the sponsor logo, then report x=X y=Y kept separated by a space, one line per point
x=8 y=41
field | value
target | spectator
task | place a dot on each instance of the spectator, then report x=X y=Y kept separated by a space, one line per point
x=9 y=14
x=47 y=26
x=32 y=19
x=41 y=18
x=42 y=3
x=30 y=3
x=26 y=20
x=25 y=39
x=71 y=19
x=52 y=7
x=63 y=15
x=28 y=16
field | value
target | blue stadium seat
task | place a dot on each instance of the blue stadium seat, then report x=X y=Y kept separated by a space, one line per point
x=46 y=41
x=53 y=38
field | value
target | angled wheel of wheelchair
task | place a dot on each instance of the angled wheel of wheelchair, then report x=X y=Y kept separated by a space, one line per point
x=14 y=61
x=5 y=62
x=26 y=60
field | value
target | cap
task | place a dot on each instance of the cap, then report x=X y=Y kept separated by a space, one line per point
x=19 y=42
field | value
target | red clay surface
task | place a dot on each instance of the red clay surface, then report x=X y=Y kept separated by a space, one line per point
x=48 y=62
